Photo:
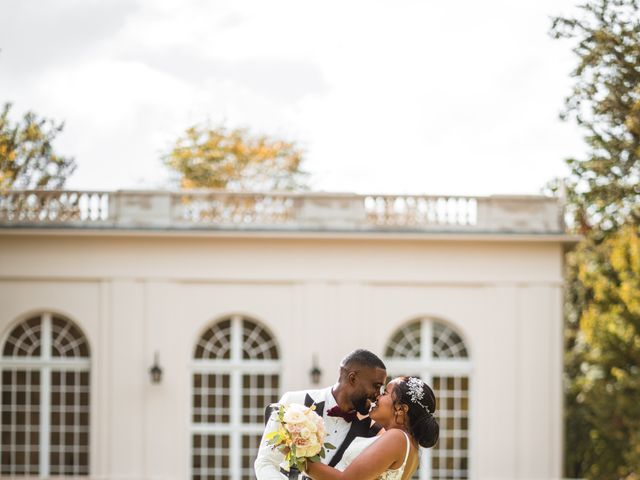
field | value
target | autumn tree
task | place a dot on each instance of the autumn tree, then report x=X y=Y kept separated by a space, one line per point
x=234 y=159
x=603 y=191
x=27 y=156
x=609 y=385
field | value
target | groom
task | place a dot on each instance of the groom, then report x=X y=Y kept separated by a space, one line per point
x=362 y=377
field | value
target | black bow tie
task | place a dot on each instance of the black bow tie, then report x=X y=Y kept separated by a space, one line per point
x=348 y=416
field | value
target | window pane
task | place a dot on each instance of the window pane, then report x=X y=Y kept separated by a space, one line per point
x=257 y=343
x=450 y=455
x=250 y=444
x=212 y=398
x=24 y=340
x=67 y=340
x=215 y=343
x=258 y=391
x=405 y=343
x=19 y=435
x=447 y=343
x=69 y=437
x=210 y=457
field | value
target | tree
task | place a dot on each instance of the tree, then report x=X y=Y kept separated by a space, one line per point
x=579 y=454
x=608 y=388
x=27 y=158
x=604 y=187
x=602 y=327
x=235 y=160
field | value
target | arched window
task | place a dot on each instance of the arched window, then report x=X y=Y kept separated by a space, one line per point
x=436 y=353
x=45 y=399
x=235 y=375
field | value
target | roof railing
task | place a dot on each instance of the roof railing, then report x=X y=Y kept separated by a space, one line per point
x=279 y=210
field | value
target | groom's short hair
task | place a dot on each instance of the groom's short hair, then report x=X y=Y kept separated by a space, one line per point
x=362 y=358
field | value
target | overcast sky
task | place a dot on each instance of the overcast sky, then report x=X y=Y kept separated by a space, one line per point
x=402 y=96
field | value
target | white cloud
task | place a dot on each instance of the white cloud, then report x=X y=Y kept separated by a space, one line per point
x=408 y=96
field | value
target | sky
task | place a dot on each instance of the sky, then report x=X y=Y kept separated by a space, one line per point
x=403 y=97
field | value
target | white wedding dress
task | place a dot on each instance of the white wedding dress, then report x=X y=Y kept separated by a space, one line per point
x=356 y=448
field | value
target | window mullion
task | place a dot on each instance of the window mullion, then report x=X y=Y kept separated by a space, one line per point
x=236 y=397
x=426 y=340
x=45 y=395
x=426 y=355
x=14 y=402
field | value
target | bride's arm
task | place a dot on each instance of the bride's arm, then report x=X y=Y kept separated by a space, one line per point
x=370 y=464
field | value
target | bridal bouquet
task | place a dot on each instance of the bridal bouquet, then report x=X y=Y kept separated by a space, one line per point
x=300 y=435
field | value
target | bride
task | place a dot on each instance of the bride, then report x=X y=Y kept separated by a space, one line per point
x=405 y=410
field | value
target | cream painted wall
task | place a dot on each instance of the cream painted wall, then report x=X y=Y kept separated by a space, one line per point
x=273 y=260
x=134 y=296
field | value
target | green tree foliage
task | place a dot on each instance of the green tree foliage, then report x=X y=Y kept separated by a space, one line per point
x=603 y=423
x=27 y=158
x=602 y=331
x=579 y=454
x=604 y=187
x=235 y=160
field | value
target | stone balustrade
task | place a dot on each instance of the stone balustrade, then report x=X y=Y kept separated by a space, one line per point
x=312 y=211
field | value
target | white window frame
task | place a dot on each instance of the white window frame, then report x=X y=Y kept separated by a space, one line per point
x=428 y=367
x=45 y=364
x=235 y=367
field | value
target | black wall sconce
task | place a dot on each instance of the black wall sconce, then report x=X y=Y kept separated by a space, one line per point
x=155 y=371
x=315 y=371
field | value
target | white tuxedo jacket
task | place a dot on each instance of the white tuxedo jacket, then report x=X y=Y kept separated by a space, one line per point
x=340 y=433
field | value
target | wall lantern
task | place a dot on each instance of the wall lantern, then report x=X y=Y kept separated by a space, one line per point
x=155 y=371
x=315 y=371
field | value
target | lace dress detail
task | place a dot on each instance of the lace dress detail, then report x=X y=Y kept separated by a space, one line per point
x=359 y=444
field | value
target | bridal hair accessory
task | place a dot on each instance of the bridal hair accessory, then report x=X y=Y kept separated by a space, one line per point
x=416 y=392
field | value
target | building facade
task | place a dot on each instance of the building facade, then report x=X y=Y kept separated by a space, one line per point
x=233 y=299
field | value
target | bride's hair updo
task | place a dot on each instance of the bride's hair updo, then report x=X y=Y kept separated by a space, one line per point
x=421 y=400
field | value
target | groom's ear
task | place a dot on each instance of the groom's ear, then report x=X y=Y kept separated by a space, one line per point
x=352 y=376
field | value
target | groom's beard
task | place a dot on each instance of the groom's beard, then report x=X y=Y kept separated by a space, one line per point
x=362 y=405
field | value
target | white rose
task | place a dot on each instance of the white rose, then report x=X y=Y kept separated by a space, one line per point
x=316 y=420
x=311 y=425
x=294 y=413
x=308 y=450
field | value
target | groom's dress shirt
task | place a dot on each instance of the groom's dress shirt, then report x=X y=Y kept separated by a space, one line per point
x=267 y=464
x=336 y=427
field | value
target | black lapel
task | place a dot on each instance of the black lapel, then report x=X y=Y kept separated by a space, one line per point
x=308 y=401
x=272 y=407
x=359 y=428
